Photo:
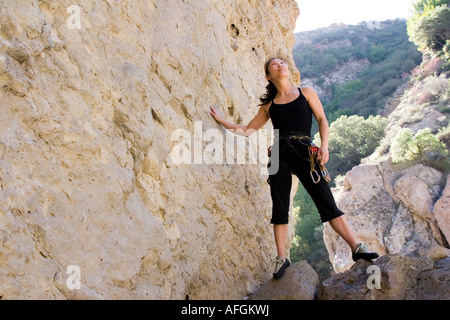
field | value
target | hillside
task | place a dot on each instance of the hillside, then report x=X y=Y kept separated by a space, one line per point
x=356 y=68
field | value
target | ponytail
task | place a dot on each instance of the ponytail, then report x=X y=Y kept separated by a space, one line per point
x=271 y=90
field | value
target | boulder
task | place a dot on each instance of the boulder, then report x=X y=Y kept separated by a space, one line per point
x=433 y=284
x=392 y=211
x=300 y=282
x=369 y=209
x=400 y=277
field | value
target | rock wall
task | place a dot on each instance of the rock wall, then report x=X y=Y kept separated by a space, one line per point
x=91 y=95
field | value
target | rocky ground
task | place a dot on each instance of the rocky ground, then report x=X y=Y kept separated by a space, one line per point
x=391 y=277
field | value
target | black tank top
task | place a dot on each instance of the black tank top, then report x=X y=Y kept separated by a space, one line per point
x=293 y=116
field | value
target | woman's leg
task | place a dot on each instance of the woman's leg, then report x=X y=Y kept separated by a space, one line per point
x=329 y=212
x=281 y=262
x=326 y=205
x=359 y=250
x=281 y=232
x=342 y=227
x=280 y=190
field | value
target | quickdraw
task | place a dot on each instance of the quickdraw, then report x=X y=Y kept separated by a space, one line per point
x=313 y=160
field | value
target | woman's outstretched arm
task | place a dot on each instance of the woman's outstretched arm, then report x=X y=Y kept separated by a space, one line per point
x=254 y=125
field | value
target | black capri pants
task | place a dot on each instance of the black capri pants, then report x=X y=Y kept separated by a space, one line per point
x=294 y=159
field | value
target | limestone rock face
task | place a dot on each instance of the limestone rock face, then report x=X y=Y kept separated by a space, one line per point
x=91 y=96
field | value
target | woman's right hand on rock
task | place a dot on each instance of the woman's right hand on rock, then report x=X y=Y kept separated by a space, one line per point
x=215 y=114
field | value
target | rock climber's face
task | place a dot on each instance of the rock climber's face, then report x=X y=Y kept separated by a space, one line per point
x=277 y=69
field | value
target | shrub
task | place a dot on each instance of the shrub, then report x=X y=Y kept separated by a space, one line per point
x=423 y=147
x=429 y=26
x=351 y=139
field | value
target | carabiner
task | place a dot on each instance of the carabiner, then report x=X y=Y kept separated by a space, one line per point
x=312 y=176
x=325 y=173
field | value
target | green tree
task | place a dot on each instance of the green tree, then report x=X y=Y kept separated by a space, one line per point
x=420 y=5
x=377 y=54
x=351 y=139
x=429 y=26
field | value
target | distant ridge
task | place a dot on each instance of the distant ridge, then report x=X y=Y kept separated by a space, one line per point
x=356 y=68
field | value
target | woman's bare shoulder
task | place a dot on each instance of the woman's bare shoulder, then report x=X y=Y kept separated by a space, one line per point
x=308 y=90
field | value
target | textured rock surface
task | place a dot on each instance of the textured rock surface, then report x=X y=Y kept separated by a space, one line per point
x=441 y=211
x=300 y=282
x=370 y=210
x=391 y=211
x=86 y=176
x=433 y=284
x=401 y=277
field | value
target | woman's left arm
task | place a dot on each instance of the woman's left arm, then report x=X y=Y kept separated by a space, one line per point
x=324 y=129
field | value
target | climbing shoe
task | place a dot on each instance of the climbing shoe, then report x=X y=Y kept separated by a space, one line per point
x=362 y=252
x=280 y=267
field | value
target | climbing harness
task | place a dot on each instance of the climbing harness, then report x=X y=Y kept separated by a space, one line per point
x=313 y=151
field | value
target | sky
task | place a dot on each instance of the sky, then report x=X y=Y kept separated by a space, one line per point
x=316 y=14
